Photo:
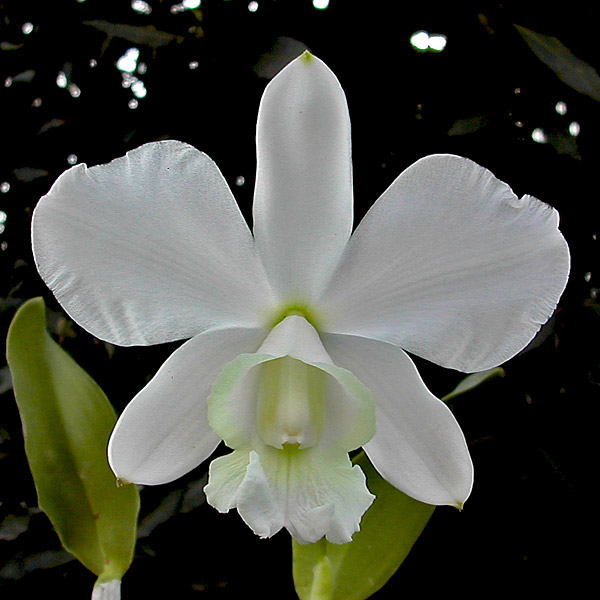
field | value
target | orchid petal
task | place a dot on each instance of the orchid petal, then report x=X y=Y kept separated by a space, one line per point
x=163 y=432
x=449 y=264
x=348 y=411
x=291 y=416
x=418 y=447
x=149 y=248
x=312 y=493
x=303 y=195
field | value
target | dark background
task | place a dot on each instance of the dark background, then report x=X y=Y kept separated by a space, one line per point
x=527 y=527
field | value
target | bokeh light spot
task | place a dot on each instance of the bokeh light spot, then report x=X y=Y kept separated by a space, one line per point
x=574 y=128
x=539 y=135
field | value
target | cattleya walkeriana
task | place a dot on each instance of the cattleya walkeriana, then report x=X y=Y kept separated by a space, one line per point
x=295 y=357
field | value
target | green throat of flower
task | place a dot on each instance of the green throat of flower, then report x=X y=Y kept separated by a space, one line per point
x=291 y=403
x=294 y=309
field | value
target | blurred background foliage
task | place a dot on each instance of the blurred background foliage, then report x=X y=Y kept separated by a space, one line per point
x=87 y=80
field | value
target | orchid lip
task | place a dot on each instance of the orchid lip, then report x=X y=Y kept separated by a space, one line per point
x=291 y=403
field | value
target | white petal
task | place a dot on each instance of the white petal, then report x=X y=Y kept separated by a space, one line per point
x=348 y=413
x=450 y=265
x=237 y=480
x=418 y=447
x=303 y=196
x=163 y=433
x=149 y=248
x=225 y=475
x=320 y=493
x=313 y=493
x=107 y=590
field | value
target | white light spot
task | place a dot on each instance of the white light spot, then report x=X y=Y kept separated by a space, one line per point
x=320 y=4
x=191 y=4
x=133 y=103
x=561 y=108
x=128 y=62
x=27 y=28
x=139 y=89
x=253 y=6
x=239 y=180
x=93 y=63
x=8 y=82
x=142 y=68
x=193 y=65
x=3 y=245
x=2 y=227
x=519 y=124
x=37 y=103
x=539 y=135
x=61 y=80
x=587 y=276
x=74 y=90
x=2 y=216
x=423 y=41
x=4 y=187
x=437 y=42
x=141 y=7
x=72 y=159
x=420 y=40
x=574 y=128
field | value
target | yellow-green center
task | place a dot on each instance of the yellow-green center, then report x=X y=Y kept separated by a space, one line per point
x=294 y=309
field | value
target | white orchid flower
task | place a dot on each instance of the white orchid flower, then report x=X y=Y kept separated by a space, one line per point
x=295 y=357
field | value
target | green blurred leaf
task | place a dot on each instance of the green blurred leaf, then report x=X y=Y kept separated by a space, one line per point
x=570 y=69
x=67 y=421
x=472 y=381
x=355 y=571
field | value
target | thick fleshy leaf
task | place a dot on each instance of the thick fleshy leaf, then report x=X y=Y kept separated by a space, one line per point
x=163 y=432
x=303 y=196
x=418 y=446
x=313 y=493
x=449 y=264
x=149 y=248
x=355 y=571
x=66 y=423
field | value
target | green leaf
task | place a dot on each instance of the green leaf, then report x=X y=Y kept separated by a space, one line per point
x=67 y=421
x=574 y=71
x=472 y=381
x=355 y=571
